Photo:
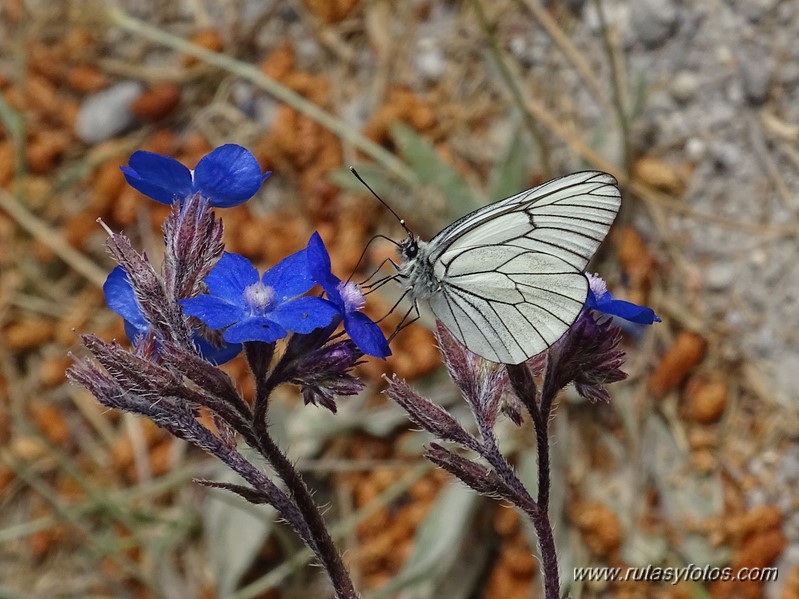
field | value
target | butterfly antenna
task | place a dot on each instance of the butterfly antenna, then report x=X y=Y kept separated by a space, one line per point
x=379 y=199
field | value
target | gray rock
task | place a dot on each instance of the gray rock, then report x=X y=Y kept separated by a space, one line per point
x=684 y=86
x=755 y=10
x=720 y=275
x=653 y=21
x=107 y=113
x=726 y=155
x=756 y=72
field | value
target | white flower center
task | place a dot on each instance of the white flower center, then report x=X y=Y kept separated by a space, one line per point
x=352 y=296
x=259 y=297
x=597 y=284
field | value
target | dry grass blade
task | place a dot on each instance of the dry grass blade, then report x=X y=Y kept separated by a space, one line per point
x=254 y=75
x=570 y=51
x=52 y=239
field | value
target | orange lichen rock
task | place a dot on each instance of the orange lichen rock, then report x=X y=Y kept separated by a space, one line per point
x=86 y=78
x=757 y=541
x=637 y=261
x=599 y=525
x=210 y=39
x=385 y=538
x=296 y=143
x=661 y=175
x=28 y=333
x=156 y=103
x=705 y=399
x=402 y=106
x=331 y=11
x=515 y=567
x=684 y=354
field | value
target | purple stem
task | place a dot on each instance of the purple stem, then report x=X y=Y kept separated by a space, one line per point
x=524 y=386
x=324 y=548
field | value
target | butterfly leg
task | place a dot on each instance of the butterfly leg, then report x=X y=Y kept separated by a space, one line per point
x=381 y=281
x=405 y=322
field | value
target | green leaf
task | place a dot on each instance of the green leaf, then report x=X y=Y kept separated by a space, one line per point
x=508 y=176
x=435 y=172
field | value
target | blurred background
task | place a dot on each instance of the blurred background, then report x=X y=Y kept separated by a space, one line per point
x=443 y=106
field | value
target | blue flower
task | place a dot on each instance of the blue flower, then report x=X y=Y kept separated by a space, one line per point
x=348 y=301
x=600 y=299
x=228 y=176
x=257 y=308
x=121 y=299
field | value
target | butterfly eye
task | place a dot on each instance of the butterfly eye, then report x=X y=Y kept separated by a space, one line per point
x=409 y=248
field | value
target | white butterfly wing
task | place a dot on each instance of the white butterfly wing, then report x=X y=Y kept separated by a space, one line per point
x=510 y=275
x=567 y=217
x=507 y=303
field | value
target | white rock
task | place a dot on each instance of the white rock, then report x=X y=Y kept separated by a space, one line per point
x=107 y=113
x=684 y=86
x=430 y=62
x=695 y=149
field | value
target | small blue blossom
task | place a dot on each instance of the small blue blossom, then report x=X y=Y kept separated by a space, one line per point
x=257 y=308
x=601 y=300
x=121 y=299
x=348 y=300
x=228 y=176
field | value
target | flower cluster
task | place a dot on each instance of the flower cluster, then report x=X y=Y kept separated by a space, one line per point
x=246 y=306
x=203 y=307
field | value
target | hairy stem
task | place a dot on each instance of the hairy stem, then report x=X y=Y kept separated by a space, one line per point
x=325 y=548
x=323 y=544
x=543 y=527
x=540 y=408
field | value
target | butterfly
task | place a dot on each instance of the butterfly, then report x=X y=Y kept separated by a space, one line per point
x=507 y=279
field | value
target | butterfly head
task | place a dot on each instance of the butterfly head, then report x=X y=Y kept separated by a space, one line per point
x=415 y=268
x=409 y=248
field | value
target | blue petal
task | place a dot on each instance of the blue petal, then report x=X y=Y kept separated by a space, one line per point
x=591 y=300
x=229 y=175
x=366 y=335
x=160 y=177
x=257 y=328
x=629 y=311
x=319 y=265
x=304 y=314
x=290 y=277
x=133 y=332
x=120 y=298
x=216 y=355
x=231 y=276
x=155 y=192
x=214 y=311
x=626 y=310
